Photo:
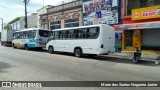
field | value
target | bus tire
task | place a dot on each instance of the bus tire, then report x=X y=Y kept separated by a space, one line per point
x=13 y=45
x=51 y=49
x=26 y=47
x=2 y=43
x=78 y=52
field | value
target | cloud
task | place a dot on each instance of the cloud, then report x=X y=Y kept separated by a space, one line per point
x=11 y=9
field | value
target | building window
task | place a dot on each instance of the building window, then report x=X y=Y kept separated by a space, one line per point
x=18 y=25
x=157 y=2
x=72 y=23
x=55 y=25
x=44 y=20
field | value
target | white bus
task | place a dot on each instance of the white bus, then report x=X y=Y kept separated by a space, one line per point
x=30 y=38
x=90 y=40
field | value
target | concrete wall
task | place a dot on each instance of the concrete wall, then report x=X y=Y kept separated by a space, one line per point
x=32 y=21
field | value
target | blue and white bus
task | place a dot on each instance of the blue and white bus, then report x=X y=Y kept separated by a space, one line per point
x=30 y=38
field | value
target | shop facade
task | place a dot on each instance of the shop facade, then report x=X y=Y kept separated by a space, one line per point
x=141 y=29
x=118 y=38
x=63 y=16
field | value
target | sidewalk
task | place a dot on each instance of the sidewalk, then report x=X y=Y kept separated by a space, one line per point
x=145 y=56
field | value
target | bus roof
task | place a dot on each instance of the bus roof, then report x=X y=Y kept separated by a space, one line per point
x=81 y=27
x=31 y=29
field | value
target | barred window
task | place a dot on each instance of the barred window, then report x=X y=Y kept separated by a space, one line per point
x=71 y=23
x=55 y=25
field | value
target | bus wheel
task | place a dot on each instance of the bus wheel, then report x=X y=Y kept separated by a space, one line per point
x=26 y=47
x=14 y=46
x=78 y=52
x=2 y=43
x=50 y=49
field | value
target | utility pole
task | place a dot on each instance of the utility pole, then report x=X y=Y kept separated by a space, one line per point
x=25 y=3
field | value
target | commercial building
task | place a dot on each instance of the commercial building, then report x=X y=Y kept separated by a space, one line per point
x=19 y=22
x=42 y=10
x=63 y=16
x=141 y=25
x=13 y=25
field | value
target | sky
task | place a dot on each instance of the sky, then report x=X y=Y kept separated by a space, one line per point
x=10 y=9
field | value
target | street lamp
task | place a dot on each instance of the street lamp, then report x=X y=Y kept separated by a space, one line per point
x=2 y=22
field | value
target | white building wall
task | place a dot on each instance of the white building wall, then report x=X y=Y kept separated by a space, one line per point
x=39 y=12
x=31 y=21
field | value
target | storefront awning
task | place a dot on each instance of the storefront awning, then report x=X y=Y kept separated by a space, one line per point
x=116 y=27
x=146 y=25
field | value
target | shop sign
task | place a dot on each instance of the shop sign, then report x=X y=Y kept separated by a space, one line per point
x=100 y=12
x=146 y=13
x=141 y=26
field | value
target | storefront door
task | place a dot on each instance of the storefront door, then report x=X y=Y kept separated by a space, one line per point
x=128 y=39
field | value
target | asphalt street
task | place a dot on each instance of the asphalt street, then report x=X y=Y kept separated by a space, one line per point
x=22 y=65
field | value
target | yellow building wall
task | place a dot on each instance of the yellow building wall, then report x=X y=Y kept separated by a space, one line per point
x=137 y=40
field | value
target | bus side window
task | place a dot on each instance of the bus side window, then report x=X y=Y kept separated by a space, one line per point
x=14 y=36
x=93 y=32
x=70 y=35
x=66 y=34
x=77 y=33
x=97 y=32
x=81 y=32
x=52 y=35
x=26 y=35
x=29 y=34
x=22 y=35
x=34 y=34
x=84 y=32
x=18 y=35
x=58 y=34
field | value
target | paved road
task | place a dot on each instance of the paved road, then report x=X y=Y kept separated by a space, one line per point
x=21 y=65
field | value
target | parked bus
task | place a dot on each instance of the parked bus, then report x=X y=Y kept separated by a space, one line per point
x=30 y=38
x=91 y=40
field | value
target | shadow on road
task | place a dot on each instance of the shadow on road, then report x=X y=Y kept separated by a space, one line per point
x=105 y=58
x=3 y=66
x=124 y=60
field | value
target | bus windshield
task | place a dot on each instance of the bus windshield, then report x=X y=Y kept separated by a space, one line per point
x=43 y=33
